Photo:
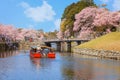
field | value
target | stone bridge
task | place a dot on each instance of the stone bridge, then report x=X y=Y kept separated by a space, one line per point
x=68 y=41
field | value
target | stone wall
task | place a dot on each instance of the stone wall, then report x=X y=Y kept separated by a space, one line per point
x=98 y=53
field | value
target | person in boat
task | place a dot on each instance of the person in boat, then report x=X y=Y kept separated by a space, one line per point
x=51 y=51
x=33 y=50
x=45 y=51
x=39 y=50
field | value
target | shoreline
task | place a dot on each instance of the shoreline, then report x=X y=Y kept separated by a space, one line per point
x=98 y=53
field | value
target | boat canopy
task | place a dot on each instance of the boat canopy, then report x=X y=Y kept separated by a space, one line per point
x=41 y=47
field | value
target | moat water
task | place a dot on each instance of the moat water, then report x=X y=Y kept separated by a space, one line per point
x=17 y=65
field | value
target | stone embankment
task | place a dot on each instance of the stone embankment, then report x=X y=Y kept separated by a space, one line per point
x=98 y=53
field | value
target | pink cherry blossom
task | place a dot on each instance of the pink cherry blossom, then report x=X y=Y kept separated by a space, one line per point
x=60 y=35
x=93 y=17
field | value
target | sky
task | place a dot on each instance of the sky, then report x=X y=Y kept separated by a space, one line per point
x=40 y=14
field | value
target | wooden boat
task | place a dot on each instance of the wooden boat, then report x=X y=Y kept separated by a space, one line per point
x=51 y=55
x=43 y=51
x=36 y=55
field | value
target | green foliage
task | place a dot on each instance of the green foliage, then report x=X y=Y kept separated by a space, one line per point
x=51 y=35
x=70 y=11
x=75 y=8
x=67 y=10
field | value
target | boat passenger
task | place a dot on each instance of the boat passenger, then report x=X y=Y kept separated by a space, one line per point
x=34 y=50
x=45 y=51
x=51 y=51
x=39 y=50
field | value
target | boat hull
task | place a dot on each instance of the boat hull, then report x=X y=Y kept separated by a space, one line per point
x=39 y=55
x=36 y=55
x=51 y=55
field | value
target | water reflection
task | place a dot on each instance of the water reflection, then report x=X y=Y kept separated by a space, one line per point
x=73 y=70
x=8 y=53
x=65 y=66
x=80 y=67
x=41 y=62
x=36 y=62
x=66 y=54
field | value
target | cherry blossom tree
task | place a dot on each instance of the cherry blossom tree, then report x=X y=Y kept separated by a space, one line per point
x=10 y=33
x=84 y=22
x=60 y=35
x=106 y=18
x=67 y=33
x=85 y=18
x=93 y=19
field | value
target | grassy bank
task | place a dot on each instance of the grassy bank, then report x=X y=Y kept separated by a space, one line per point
x=110 y=41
